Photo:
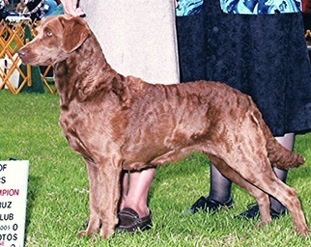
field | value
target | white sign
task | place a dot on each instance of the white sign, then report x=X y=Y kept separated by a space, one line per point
x=13 y=197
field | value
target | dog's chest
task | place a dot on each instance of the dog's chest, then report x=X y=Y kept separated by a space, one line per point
x=85 y=132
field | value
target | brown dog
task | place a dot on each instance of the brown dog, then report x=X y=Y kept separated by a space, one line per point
x=118 y=122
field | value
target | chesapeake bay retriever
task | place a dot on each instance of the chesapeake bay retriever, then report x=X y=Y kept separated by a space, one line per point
x=118 y=122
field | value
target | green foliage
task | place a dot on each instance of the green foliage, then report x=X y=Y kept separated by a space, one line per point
x=58 y=190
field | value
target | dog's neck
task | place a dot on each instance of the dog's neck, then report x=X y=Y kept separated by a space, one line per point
x=84 y=72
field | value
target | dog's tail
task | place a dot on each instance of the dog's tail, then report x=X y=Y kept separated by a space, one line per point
x=278 y=155
x=281 y=157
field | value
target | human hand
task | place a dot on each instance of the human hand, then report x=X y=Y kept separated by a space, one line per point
x=70 y=7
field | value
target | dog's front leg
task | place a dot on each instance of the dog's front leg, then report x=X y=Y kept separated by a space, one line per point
x=94 y=189
x=104 y=182
x=109 y=198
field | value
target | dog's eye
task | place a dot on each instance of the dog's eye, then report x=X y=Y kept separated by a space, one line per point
x=48 y=33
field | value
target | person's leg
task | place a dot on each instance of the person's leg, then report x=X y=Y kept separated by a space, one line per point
x=219 y=196
x=220 y=189
x=125 y=178
x=134 y=212
x=135 y=188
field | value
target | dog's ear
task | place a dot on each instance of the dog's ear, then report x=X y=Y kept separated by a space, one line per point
x=75 y=32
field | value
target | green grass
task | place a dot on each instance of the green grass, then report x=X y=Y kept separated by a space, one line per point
x=58 y=198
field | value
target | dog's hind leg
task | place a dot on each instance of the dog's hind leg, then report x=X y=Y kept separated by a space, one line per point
x=258 y=171
x=286 y=195
x=261 y=197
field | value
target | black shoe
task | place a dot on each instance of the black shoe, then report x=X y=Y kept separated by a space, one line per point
x=209 y=205
x=253 y=212
x=129 y=221
x=85 y=224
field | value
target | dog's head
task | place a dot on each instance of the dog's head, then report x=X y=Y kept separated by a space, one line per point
x=58 y=37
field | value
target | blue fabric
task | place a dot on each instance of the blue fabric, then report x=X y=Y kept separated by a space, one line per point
x=260 y=7
x=188 y=7
x=59 y=10
x=49 y=7
x=264 y=56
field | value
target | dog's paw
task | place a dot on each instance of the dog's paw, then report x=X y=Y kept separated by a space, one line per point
x=91 y=236
x=303 y=232
x=88 y=232
x=262 y=223
x=106 y=232
x=82 y=234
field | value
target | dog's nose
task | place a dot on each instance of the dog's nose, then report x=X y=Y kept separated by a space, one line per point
x=21 y=53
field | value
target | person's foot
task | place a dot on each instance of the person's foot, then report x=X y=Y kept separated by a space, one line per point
x=129 y=221
x=85 y=224
x=253 y=212
x=209 y=205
